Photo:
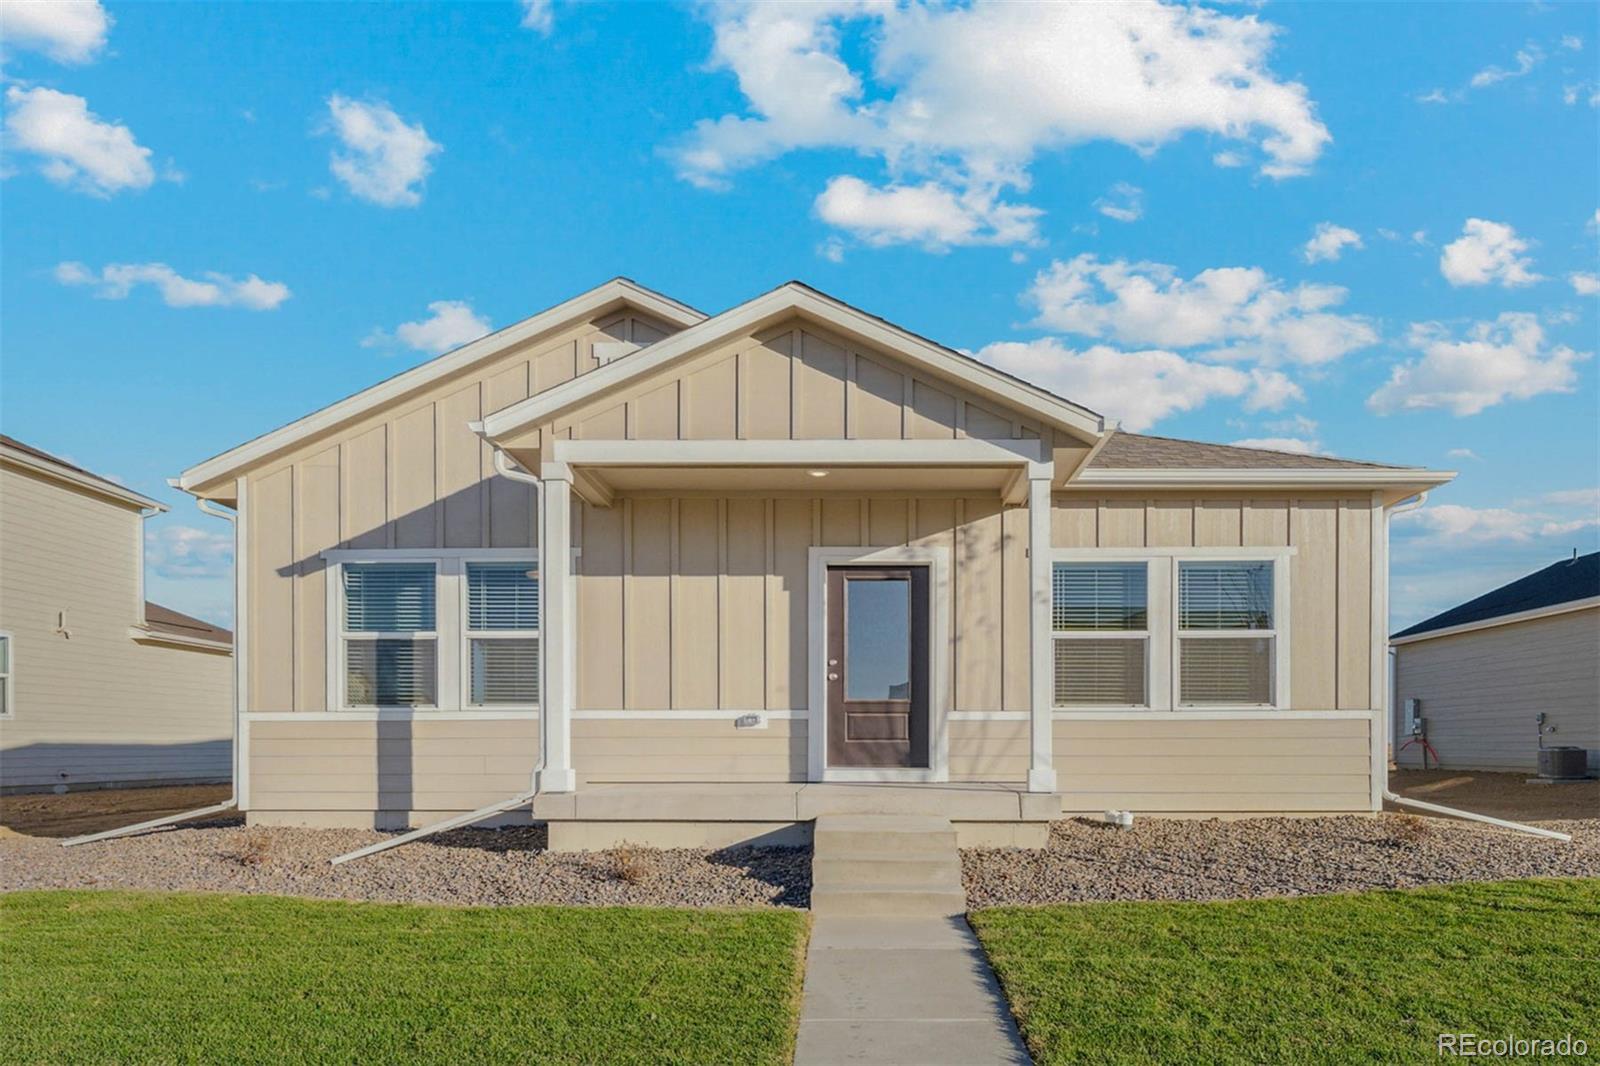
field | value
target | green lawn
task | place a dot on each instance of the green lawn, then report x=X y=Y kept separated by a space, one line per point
x=1373 y=977
x=138 y=977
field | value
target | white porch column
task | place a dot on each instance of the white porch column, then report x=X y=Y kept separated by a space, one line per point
x=555 y=631
x=1041 y=766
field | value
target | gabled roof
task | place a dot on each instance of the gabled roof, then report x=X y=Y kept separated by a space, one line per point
x=797 y=298
x=159 y=619
x=55 y=467
x=1125 y=451
x=614 y=293
x=1567 y=582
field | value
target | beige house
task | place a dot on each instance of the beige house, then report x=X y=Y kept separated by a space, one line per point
x=1473 y=681
x=97 y=686
x=704 y=577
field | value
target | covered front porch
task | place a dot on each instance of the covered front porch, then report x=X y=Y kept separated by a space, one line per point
x=618 y=546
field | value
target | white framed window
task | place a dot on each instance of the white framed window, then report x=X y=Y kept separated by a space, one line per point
x=1171 y=629
x=446 y=629
x=1226 y=637
x=501 y=634
x=389 y=635
x=8 y=665
x=1100 y=620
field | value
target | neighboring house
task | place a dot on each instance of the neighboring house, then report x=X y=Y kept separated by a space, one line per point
x=789 y=543
x=97 y=686
x=1483 y=672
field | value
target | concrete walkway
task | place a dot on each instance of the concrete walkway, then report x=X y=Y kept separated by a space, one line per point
x=902 y=990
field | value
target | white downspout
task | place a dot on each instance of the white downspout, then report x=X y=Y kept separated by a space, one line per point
x=1391 y=693
x=206 y=507
x=521 y=799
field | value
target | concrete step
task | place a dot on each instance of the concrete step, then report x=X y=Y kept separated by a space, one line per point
x=885 y=866
x=882 y=902
x=869 y=836
x=849 y=871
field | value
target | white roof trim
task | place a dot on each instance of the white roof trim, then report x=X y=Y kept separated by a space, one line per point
x=752 y=314
x=150 y=636
x=1501 y=620
x=618 y=289
x=1251 y=478
x=90 y=482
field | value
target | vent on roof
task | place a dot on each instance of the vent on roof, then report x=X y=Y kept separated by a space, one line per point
x=607 y=351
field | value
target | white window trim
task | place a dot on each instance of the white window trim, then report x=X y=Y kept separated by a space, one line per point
x=451 y=683
x=1161 y=664
x=8 y=679
x=1154 y=681
x=468 y=635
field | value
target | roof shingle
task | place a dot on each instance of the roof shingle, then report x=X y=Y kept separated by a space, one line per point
x=1563 y=582
x=1139 y=451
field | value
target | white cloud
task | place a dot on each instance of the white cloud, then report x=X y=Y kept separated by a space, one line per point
x=1527 y=57
x=930 y=214
x=1593 y=225
x=1487 y=252
x=1138 y=388
x=68 y=31
x=1458 y=525
x=538 y=16
x=385 y=159
x=1328 y=242
x=186 y=552
x=1433 y=96
x=1229 y=159
x=1124 y=202
x=450 y=324
x=1506 y=359
x=1233 y=312
x=1585 y=284
x=1464 y=453
x=78 y=149
x=1292 y=445
x=1586 y=498
x=116 y=280
x=1586 y=91
x=945 y=106
x=1572 y=42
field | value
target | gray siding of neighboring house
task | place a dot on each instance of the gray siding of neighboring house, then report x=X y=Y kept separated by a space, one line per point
x=1481 y=691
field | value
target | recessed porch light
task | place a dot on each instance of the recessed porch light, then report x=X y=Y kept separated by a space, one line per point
x=817 y=473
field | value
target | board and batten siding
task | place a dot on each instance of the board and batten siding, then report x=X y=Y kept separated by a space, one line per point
x=93 y=706
x=411 y=475
x=1184 y=762
x=793 y=382
x=700 y=603
x=1481 y=691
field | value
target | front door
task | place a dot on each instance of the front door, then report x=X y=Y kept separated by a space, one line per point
x=877 y=666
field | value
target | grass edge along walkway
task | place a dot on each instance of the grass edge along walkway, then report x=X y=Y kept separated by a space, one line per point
x=1372 y=976
x=101 y=976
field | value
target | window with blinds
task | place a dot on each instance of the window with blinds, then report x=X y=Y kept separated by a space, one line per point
x=6 y=701
x=1100 y=614
x=502 y=634
x=1219 y=602
x=390 y=636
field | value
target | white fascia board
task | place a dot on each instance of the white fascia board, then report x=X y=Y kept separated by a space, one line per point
x=1500 y=620
x=89 y=482
x=1276 y=477
x=149 y=636
x=820 y=453
x=618 y=290
x=765 y=308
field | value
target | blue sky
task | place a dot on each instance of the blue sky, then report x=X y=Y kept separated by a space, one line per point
x=1369 y=230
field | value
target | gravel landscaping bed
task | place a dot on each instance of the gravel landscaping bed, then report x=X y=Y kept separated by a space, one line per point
x=467 y=866
x=1197 y=860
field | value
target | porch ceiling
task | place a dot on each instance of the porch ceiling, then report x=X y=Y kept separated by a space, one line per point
x=600 y=469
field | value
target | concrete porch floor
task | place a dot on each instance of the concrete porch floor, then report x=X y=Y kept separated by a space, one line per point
x=716 y=814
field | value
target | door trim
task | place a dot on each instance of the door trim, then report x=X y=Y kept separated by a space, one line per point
x=937 y=559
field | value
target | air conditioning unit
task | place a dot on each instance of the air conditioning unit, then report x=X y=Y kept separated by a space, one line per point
x=1563 y=763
